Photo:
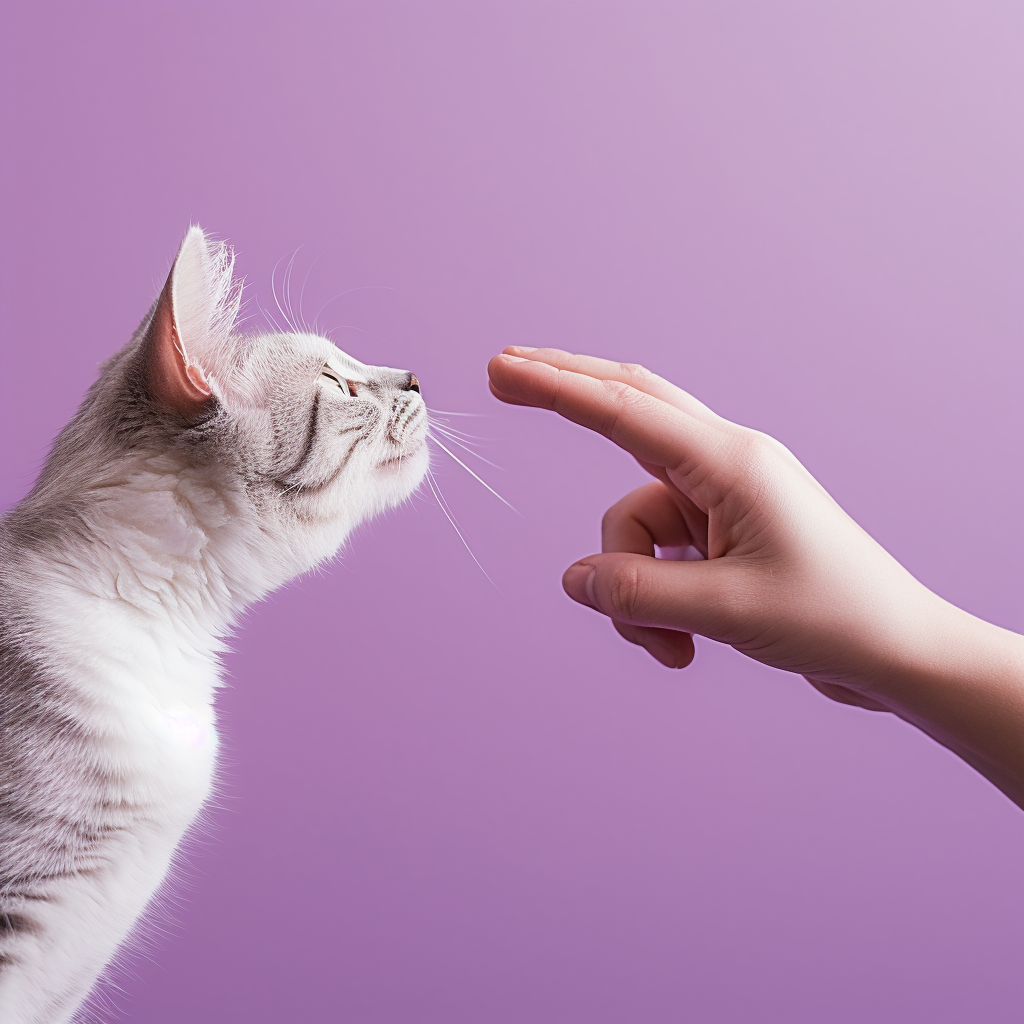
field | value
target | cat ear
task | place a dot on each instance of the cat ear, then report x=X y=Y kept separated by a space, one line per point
x=190 y=332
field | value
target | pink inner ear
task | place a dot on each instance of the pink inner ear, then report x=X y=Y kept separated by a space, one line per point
x=173 y=381
x=198 y=378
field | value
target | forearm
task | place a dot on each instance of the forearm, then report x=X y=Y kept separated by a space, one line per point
x=962 y=683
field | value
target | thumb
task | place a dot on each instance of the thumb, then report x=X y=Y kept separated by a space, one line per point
x=693 y=597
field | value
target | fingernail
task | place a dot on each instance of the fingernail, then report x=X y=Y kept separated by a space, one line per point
x=514 y=359
x=578 y=582
x=519 y=348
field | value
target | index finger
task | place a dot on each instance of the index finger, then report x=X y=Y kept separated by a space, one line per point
x=633 y=374
x=649 y=428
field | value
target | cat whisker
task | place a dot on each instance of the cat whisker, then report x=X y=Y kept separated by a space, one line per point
x=296 y=321
x=479 y=480
x=450 y=431
x=273 y=290
x=444 y=412
x=245 y=318
x=351 y=327
x=270 y=319
x=349 y=291
x=443 y=505
x=302 y=290
x=465 y=447
x=437 y=416
x=286 y=290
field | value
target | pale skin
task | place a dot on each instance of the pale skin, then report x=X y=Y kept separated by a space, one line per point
x=787 y=577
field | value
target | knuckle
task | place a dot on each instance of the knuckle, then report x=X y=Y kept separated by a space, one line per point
x=622 y=509
x=625 y=395
x=616 y=389
x=623 y=399
x=758 y=461
x=726 y=602
x=634 y=371
x=623 y=591
x=639 y=377
x=623 y=408
x=756 y=449
x=556 y=397
x=775 y=447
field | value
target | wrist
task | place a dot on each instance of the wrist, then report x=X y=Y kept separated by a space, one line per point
x=960 y=680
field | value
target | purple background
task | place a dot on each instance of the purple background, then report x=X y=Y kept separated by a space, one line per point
x=446 y=802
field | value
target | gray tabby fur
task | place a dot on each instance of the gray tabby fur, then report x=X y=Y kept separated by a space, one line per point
x=163 y=510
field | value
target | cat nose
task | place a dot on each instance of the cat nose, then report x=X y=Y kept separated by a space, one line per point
x=411 y=383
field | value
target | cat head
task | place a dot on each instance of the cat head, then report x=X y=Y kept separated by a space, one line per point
x=297 y=440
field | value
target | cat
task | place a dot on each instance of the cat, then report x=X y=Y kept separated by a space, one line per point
x=204 y=469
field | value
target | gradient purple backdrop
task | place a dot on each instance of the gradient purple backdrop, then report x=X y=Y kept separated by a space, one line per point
x=450 y=802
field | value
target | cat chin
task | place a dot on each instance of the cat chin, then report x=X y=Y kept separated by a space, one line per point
x=393 y=467
x=414 y=461
x=401 y=475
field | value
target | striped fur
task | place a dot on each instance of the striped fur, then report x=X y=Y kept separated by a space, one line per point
x=148 y=532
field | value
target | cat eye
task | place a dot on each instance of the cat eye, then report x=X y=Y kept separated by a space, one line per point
x=346 y=385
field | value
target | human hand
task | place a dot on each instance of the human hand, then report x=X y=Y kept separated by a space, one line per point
x=786 y=577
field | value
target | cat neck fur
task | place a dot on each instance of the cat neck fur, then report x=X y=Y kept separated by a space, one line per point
x=203 y=470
